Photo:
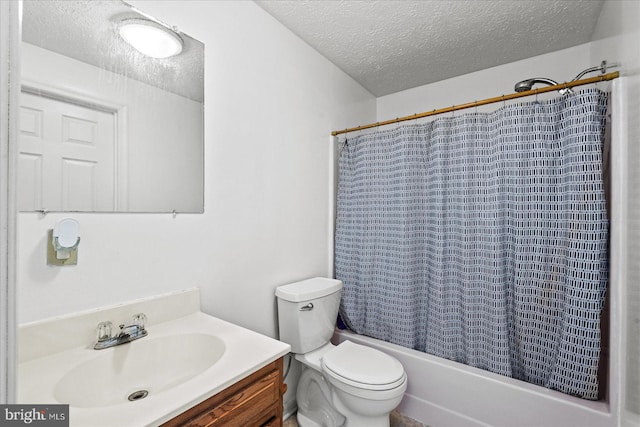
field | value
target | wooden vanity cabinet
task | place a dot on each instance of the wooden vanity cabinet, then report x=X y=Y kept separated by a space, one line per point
x=254 y=401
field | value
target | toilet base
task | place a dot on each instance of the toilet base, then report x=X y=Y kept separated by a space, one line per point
x=304 y=421
x=353 y=419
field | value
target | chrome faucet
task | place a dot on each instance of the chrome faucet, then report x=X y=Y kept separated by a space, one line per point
x=128 y=333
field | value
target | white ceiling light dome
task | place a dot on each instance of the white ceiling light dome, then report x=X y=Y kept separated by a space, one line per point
x=150 y=38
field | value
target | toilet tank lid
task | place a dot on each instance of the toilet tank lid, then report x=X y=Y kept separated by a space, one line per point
x=308 y=289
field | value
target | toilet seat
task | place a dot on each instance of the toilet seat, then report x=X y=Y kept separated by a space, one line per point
x=363 y=367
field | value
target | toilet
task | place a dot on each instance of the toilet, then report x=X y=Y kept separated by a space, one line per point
x=348 y=385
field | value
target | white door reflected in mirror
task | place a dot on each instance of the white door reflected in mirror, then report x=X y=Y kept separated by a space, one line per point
x=73 y=147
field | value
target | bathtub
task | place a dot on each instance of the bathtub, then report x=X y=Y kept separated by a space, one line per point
x=442 y=393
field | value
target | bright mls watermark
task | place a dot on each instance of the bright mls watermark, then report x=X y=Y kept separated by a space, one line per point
x=34 y=415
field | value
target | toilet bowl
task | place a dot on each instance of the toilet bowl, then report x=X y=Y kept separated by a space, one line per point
x=348 y=385
x=367 y=384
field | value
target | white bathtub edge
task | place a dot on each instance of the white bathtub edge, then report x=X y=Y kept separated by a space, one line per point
x=442 y=393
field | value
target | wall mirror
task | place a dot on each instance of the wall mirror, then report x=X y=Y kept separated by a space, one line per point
x=103 y=126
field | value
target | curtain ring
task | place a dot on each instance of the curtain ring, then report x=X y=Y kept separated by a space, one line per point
x=504 y=103
x=453 y=111
x=536 y=95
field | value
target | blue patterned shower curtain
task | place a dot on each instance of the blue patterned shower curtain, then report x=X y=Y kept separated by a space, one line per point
x=482 y=238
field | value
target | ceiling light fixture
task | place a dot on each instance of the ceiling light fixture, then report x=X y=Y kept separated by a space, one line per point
x=150 y=38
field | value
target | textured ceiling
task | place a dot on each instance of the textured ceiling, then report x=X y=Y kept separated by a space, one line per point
x=389 y=46
x=86 y=30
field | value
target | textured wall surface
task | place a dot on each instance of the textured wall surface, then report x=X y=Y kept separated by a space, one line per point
x=562 y=65
x=389 y=46
x=86 y=30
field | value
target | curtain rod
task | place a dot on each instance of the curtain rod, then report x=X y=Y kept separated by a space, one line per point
x=603 y=77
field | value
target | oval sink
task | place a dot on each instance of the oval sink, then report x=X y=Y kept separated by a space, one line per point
x=149 y=365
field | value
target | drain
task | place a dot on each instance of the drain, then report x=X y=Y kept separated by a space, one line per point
x=137 y=395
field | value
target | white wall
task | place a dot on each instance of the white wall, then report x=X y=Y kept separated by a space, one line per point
x=270 y=104
x=617 y=38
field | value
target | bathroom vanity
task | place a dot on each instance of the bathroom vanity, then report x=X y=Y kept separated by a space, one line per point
x=253 y=401
x=191 y=369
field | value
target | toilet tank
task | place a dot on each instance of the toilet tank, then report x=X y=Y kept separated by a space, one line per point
x=307 y=312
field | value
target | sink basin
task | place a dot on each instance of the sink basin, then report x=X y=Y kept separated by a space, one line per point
x=188 y=357
x=132 y=371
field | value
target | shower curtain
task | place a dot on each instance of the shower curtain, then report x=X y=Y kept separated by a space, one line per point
x=482 y=238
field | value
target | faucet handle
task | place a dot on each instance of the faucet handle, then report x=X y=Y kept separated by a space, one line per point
x=104 y=331
x=140 y=320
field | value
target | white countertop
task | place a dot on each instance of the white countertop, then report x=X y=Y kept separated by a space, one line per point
x=245 y=352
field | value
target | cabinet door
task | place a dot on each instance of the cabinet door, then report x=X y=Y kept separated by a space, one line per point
x=255 y=401
x=252 y=406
